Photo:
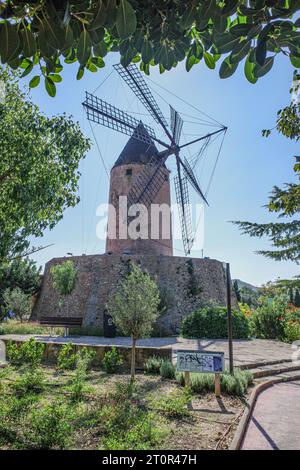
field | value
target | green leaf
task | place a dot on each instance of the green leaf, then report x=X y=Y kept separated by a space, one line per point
x=27 y=70
x=84 y=47
x=46 y=49
x=9 y=41
x=50 y=87
x=69 y=38
x=190 y=61
x=226 y=43
x=35 y=81
x=229 y=7
x=167 y=57
x=98 y=61
x=295 y=61
x=220 y=21
x=227 y=68
x=91 y=66
x=56 y=35
x=261 y=52
x=80 y=72
x=209 y=60
x=100 y=49
x=126 y=20
x=259 y=71
x=240 y=51
x=147 y=51
x=100 y=17
x=248 y=69
x=55 y=77
x=241 y=29
x=188 y=17
x=29 y=44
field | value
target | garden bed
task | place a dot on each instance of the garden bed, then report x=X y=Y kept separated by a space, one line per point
x=156 y=414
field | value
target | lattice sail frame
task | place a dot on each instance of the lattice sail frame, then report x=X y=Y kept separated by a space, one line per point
x=133 y=78
x=101 y=112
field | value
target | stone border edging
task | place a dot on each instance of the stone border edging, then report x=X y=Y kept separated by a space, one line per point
x=243 y=424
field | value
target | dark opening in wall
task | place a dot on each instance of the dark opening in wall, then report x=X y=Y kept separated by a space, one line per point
x=129 y=172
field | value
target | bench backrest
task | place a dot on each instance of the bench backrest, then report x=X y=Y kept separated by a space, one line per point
x=61 y=321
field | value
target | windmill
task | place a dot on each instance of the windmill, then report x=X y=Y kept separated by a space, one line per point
x=148 y=183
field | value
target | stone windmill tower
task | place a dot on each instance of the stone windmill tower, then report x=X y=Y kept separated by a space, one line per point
x=156 y=236
x=140 y=172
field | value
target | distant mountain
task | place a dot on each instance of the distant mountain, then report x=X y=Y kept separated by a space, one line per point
x=245 y=284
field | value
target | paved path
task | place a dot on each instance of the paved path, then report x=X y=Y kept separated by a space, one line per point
x=246 y=352
x=275 y=424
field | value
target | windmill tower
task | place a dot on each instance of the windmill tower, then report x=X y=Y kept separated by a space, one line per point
x=140 y=172
x=130 y=165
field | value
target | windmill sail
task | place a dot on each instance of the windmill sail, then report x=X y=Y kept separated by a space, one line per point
x=134 y=79
x=183 y=204
x=107 y=115
x=148 y=183
x=176 y=125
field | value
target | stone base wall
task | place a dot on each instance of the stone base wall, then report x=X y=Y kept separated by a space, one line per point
x=141 y=355
x=185 y=285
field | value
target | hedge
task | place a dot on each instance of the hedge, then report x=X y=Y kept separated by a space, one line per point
x=211 y=322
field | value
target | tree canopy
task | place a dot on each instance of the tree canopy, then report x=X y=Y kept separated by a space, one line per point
x=38 y=168
x=45 y=35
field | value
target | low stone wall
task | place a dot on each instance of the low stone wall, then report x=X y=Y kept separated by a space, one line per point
x=186 y=284
x=142 y=353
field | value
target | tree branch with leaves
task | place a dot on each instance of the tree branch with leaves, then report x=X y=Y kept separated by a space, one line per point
x=38 y=168
x=44 y=36
x=134 y=307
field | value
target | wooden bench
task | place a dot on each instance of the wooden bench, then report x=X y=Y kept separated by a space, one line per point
x=66 y=322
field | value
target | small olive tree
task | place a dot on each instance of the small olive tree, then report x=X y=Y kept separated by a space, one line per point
x=64 y=279
x=18 y=302
x=134 y=307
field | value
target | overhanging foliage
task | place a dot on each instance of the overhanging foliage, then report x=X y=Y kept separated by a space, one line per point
x=45 y=35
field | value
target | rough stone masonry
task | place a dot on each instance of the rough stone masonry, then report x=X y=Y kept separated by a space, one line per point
x=185 y=285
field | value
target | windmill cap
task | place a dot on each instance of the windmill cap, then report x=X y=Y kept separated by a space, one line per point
x=137 y=151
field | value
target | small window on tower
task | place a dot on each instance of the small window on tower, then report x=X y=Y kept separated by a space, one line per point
x=129 y=172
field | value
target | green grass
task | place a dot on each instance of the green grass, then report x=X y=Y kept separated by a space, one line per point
x=14 y=327
x=236 y=384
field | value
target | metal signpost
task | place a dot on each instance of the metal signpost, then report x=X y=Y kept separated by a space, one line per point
x=201 y=362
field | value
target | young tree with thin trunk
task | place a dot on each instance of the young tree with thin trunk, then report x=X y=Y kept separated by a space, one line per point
x=64 y=279
x=134 y=308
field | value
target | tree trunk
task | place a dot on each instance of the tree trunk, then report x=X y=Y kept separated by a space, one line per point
x=133 y=360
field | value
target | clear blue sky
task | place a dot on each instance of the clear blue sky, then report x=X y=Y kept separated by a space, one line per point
x=248 y=167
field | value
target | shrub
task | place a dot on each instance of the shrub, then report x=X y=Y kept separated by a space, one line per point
x=267 y=321
x=167 y=370
x=291 y=331
x=78 y=387
x=126 y=425
x=31 y=381
x=211 y=322
x=152 y=365
x=112 y=361
x=66 y=359
x=173 y=405
x=50 y=427
x=30 y=352
x=236 y=384
x=17 y=301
